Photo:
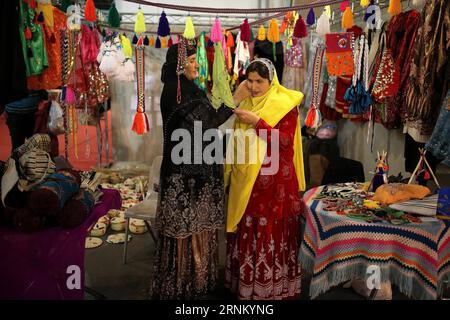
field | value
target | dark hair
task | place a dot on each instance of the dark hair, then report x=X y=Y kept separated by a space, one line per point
x=260 y=68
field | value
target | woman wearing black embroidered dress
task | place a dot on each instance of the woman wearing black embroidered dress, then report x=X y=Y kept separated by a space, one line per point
x=191 y=203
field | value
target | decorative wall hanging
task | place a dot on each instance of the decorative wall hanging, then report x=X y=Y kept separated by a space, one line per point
x=339 y=54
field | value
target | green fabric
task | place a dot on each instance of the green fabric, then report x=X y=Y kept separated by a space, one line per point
x=38 y=62
x=221 y=92
x=202 y=60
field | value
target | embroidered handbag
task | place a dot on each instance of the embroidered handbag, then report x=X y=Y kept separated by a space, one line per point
x=339 y=54
x=387 y=79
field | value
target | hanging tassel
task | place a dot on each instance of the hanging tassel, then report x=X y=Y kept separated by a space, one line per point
x=262 y=33
x=158 y=43
x=283 y=26
x=300 y=29
x=328 y=11
x=216 y=31
x=69 y=96
x=245 y=31
x=40 y=17
x=126 y=46
x=28 y=34
x=395 y=7
x=140 y=122
x=32 y=4
x=364 y=3
x=113 y=16
x=170 y=42
x=313 y=118
x=140 y=42
x=135 y=39
x=344 y=5
x=273 y=34
x=152 y=42
x=323 y=25
x=163 y=26
x=189 y=31
x=163 y=43
x=146 y=41
x=230 y=40
x=89 y=11
x=347 y=19
x=311 y=18
x=139 y=24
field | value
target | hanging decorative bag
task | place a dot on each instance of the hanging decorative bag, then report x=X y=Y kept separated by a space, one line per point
x=387 y=80
x=339 y=54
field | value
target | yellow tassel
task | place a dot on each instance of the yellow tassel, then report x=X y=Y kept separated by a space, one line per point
x=163 y=43
x=347 y=19
x=273 y=35
x=152 y=42
x=126 y=46
x=365 y=3
x=189 y=31
x=139 y=24
x=395 y=7
x=328 y=11
x=261 y=33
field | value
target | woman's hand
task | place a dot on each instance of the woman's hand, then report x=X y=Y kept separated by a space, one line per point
x=241 y=93
x=247 y=116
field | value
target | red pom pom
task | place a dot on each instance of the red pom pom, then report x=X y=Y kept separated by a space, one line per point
x=300 y=29
x=245 y=31
x=140 y=123
x=89 y=11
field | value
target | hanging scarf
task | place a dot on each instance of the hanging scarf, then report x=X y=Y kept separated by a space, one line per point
x=202 y=79
x=221 y=92
x=339 y=54
x=242 y=56
x=276 y=103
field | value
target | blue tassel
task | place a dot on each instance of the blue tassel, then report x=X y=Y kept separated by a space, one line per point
x=135 y=39
x=146 y=41
x=40 y=17
x=163 y=27
x=311 y=18
x=157 y=43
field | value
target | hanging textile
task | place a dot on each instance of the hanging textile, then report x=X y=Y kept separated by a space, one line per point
x=31 y=35
x=140 y=123
x=358 y=94
x=428 y=81
x=242 y=57
x=221 y=93
x=340 y=54
x=203 y=74
x=313 y=118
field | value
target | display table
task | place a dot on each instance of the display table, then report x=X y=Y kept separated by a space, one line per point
x=36 y=265
x=337 y=248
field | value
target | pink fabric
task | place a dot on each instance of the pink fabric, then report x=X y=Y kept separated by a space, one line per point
x=90 y=44
x=34 y=265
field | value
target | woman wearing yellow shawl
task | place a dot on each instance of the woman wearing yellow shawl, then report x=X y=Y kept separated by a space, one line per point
x=263 y=199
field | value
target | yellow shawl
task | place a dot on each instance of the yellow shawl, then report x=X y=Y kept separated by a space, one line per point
x=277 y=102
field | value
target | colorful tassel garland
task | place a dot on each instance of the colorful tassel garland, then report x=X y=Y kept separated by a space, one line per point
x=152 y=42
x=89 y=11
x=189 y=31
x=139 y=24
x=163 y=43
x=140 y=122
x=163 y=26
x=113 y=16
x=273 y=35
x=135 y=39
x=300 y=29
x=158 y=43
x=395 y=7
x=28 y=34
x=245 y=31
x=40 y=17
x=216 y=31
x=347 y=19
x=170 y=42
x=364 y=3
x=344 y=5
x=146 y=41
x=262 y=33
x=311 y=18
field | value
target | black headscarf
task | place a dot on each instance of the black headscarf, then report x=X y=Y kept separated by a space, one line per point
x=169 y=69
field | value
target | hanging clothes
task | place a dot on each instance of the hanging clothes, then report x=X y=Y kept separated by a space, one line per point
x=221 y=92
x=51 y=77
x=203 y=72
x=296 y=65
x=33 y=45
x=439 y=143
x=428 y=81
x=242 y=57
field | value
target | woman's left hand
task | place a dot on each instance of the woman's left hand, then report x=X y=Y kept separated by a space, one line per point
x=247 y=116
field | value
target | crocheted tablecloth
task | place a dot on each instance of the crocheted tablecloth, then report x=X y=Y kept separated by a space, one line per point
x=335 y=248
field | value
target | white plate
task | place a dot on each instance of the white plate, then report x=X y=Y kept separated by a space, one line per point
x=92 y=242
x=117 y=238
